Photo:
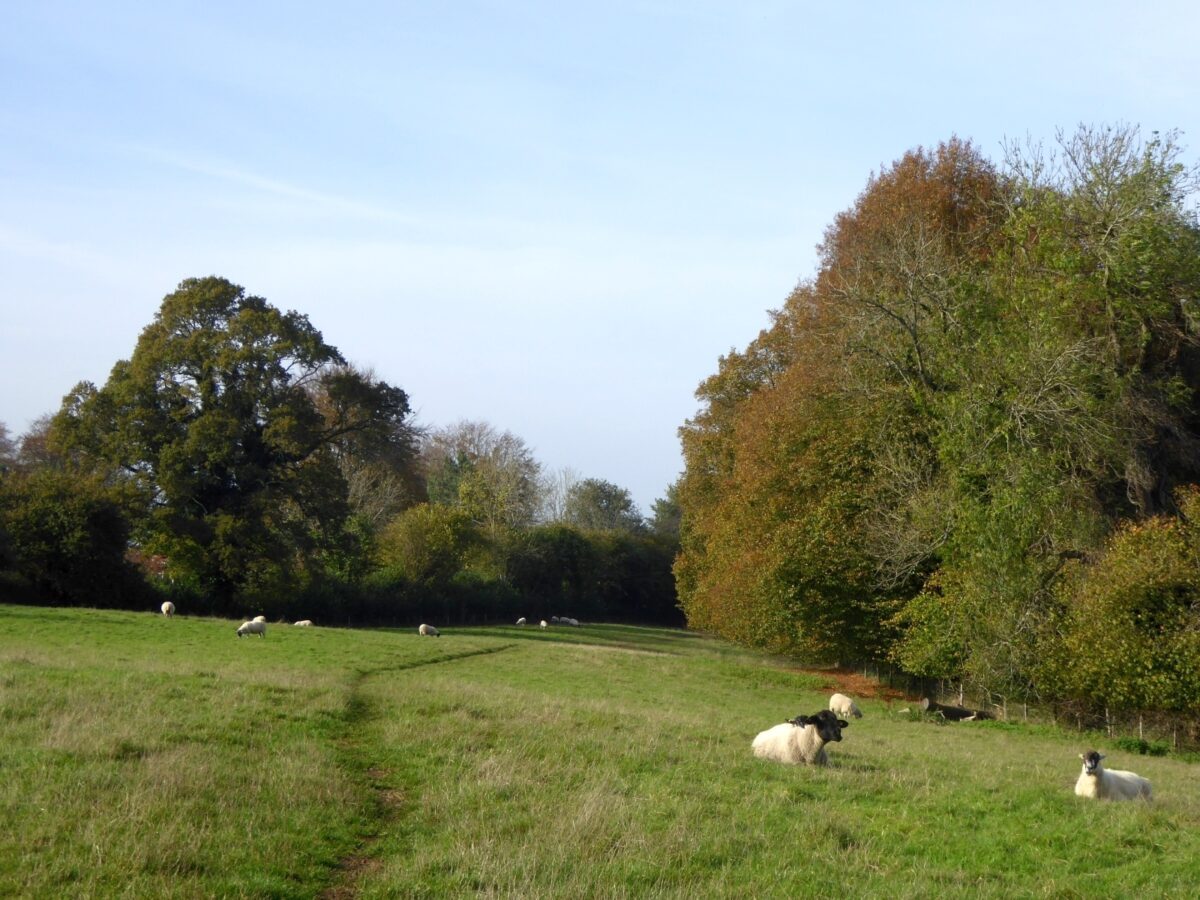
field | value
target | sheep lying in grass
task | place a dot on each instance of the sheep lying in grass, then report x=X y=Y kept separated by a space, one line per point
x=841 y=705
x=1100 y=783
x=429 y=630
x=800 y=741
x=168 y=609
x=303 y=623
x=259 y=628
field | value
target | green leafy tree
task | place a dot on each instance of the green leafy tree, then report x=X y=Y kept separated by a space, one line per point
x=490 y=475
x=428 y=543
x=215 y=418
x=598 y=505
x=67 y=534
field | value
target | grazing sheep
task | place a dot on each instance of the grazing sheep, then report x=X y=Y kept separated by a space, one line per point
x=1100 y=783
x=259 y=628
x=844 y=706
x=262 y=619
x=570 y=621
x=521 y=621
x=303 y=623
x=801 y=740
x=543 y=624
x=168 y=609
x=555 y=619
x=429 y=630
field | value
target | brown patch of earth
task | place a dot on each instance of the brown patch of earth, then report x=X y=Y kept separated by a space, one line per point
x=855 y=684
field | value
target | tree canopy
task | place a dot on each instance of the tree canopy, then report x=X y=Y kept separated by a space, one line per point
x=994 y=367
x=230 y=418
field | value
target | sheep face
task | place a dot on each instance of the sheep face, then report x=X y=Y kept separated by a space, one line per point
x=1091 y=762
x=829 y=727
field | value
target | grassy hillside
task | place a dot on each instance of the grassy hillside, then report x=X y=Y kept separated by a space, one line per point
x=152 y=757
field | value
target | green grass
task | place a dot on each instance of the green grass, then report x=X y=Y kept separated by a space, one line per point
x=150 y=757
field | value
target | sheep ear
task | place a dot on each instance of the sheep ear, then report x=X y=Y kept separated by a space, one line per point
x=1100 y=756
x=842 y=724
x=1083 y=756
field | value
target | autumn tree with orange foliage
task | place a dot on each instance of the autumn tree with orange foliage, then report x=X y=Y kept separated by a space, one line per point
x=991 y=369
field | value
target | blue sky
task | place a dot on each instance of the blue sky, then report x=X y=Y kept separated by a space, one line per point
x=553 y=217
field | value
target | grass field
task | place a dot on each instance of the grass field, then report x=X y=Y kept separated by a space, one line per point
x=148 y=757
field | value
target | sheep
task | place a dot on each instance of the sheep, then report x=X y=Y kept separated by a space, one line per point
x=303 y=623
x=543 y=624
x=521 y=621
x=801 y=740
x=570 y=621
x=168 y=609
x=555 y=619
x=252 y=627
x=262 y=619
x=844 y=706
x=1099 y=783
x=429 y=630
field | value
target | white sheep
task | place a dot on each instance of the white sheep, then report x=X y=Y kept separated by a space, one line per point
x=1099 y=783
x=252 y=627
x=543 y=624
x=168 y=609
x=429 y=630
x=521 y=621
x=303 y=623
x=555 y=619
x=262 y=619
x=570 y=621
x=800 y=741
x=842 y=705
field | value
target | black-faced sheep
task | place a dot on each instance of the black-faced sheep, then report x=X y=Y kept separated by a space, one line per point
x=168 y=609
x=429 y=631
x=841 y=705
x=800 y=741
x=1099 y=783
x=259 y=628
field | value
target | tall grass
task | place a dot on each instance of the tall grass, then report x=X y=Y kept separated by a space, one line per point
x=153 y=757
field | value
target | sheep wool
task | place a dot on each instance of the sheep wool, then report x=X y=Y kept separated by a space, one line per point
x=1098 y=783
x=841 y=705
x=429 y=630
x=168 y=609
x=303 y=623
x=262 y=619
x=259 y=628
x=800 y=741
x=521 y=621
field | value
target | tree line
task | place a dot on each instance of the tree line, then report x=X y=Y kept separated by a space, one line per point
x=969 y=445
x=236 y=461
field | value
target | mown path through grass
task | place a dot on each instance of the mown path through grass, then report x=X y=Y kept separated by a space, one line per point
x=362 y=759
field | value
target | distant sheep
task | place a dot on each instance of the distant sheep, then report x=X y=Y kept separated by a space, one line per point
x=1099 y=783
x=800 y=741
x=303 y=623
x=429 y=631
x=555 y=619
x=168 y=609
x=262 y=619
x=844 y=706
x=259 y=628
x=521 y=621
x=569 y=621
x=543 y=624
